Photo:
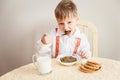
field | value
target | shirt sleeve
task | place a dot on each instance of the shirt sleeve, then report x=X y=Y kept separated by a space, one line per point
x=40 y=46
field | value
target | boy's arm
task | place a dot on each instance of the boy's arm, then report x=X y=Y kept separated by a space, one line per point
x=45 y=42
x=85 y=48
x=40 y=46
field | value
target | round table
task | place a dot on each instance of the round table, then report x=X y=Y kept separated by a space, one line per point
x=110 y=71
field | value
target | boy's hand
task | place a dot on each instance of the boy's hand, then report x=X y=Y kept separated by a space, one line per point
x=83 y=54
x=46 y=39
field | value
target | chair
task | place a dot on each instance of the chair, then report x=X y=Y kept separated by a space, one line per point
x=92 y=35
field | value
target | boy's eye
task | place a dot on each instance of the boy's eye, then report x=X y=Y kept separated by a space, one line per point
x=61 y=23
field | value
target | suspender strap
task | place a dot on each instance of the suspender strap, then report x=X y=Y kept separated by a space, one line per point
x=57 y=46
x=77 y=45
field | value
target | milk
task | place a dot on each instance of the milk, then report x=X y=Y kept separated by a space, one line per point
x=42 y=61
x=44 y=64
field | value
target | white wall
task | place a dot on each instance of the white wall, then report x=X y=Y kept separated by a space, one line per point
x=22 y=22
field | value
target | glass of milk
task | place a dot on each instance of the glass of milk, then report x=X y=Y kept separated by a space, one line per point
x=42 y=61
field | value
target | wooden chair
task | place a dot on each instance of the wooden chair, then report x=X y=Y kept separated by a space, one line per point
x=92 y=35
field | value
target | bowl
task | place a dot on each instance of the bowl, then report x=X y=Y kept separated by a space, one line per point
x=68 y=59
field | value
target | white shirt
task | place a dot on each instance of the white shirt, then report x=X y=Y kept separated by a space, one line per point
x=67 y=43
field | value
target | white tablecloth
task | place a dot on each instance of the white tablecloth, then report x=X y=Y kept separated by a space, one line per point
x=110 y=71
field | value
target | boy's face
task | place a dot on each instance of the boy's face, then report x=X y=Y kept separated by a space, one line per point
x=68 y=25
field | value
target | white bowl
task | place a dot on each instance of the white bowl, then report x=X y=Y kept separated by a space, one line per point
x=69 y=63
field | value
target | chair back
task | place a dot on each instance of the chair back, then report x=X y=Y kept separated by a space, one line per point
x=91 y=32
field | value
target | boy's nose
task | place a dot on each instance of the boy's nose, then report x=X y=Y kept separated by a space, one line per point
x=66 y=27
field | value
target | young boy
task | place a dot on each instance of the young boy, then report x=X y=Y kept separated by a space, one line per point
x=66 y=38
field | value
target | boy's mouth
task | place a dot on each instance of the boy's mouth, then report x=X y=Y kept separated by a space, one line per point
x=67 y=32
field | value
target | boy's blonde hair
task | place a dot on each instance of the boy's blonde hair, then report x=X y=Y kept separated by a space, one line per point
x=65 y=9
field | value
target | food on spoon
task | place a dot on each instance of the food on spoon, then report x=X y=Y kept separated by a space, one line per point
x=67 y=32
x=68 y=59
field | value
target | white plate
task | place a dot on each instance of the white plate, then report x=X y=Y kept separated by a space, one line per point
x=70 y=63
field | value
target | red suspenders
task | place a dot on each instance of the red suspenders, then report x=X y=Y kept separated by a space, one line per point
x=77 y=45
x=57 y=45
